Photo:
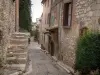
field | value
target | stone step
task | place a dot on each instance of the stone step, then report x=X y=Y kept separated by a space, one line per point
x=13 y=58
x=24 y=33
x=18 y=67
x=16 y=60
x=22 y=55
x=11 y=72
x=17 y=51
x=18 y=43
x=18 y=40
x=19 y=37
x=19 y=46
x=16 y=73
x=21 y=34
x=15 y=48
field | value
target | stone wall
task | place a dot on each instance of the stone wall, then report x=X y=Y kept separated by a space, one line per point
x=87 y=13
x=68 y=37
x=7 y=24
x=45 y=24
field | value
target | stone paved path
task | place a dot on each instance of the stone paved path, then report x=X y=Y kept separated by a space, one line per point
x=41 y=63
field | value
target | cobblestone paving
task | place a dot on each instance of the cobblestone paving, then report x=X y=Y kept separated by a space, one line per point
x=41 y=63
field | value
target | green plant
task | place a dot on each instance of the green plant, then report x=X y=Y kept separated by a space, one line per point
x=25 y=15
x=88 y=53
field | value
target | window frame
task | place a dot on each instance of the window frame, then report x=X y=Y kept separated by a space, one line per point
x=67 y=4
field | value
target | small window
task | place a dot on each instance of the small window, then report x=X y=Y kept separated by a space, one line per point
x=45 y=19
x=67 y=14
x=52 y=20
x=48 y=19
x=44 y=38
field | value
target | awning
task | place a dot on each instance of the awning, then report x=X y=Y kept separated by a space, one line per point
x=52 y=27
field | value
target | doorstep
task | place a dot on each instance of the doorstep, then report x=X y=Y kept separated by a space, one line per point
x=45 y=51
x=54 y=58
x=16 y=73
x=66 y=67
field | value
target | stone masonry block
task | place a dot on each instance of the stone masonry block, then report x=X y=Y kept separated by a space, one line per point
x=98 y=1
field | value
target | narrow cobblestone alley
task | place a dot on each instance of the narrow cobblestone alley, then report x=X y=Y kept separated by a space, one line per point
x=41 y=63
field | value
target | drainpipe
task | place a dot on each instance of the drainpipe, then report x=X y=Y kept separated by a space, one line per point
x=59 y=31
x=17 y=15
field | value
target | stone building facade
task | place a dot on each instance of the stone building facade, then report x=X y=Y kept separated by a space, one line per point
x=68 y=33
x=7 y=24
x=85 y=17
x=70 y=19
x=45 y=23
x=62 y=31
x=87 y=14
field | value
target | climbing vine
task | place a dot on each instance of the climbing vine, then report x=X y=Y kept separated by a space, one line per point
x=25 y=14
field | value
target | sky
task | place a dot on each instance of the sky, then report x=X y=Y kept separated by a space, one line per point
x=36 y=9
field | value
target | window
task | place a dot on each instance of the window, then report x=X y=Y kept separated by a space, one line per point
x=44 y=38
x=67 y=14
x=48 y=2
x=52 y=20
x=45 y=19
x=48 y=21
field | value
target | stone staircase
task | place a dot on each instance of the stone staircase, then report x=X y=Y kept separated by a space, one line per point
x=17 y=57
